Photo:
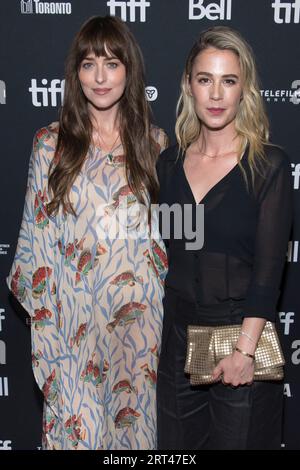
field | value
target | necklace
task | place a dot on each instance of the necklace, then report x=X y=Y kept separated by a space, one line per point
x=109 y=154
x=213 y=156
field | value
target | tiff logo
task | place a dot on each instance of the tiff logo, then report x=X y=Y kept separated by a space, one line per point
x=3 y=387
x=286 y=8
x=5 y=445
x=213 y=11
x=40 y=94
x=2 y=353
x=292 y=254
x=287 y=318
x=133 y=6
x=296 y=174
x=2 y=317
x=2 y=92
x=45 y=8
x=296 y=354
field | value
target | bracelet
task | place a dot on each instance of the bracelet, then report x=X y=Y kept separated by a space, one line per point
x=244 y=353
x=248 y=336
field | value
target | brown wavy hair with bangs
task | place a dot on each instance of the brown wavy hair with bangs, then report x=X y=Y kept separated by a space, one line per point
x=103 y=35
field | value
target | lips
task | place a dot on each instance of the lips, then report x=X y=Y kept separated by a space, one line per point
x=216 y=111
x=101 y=91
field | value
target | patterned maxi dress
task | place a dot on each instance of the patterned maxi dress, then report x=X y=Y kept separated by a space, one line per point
x=95 y=300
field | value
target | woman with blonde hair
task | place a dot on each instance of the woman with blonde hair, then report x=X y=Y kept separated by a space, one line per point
x=86 y=268
x=223 y=161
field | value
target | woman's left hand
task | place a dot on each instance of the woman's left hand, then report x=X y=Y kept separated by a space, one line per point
x=235 y=369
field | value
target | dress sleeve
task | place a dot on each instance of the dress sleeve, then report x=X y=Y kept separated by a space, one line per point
x=272 y=235
x=32 y=273
x=33 y=277
x=160 y=138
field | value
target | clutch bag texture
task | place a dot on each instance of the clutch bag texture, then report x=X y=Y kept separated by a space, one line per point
x=207 y=345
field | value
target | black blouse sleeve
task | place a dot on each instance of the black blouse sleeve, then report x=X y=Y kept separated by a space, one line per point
x=272 y=235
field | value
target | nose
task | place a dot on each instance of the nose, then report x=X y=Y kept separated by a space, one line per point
x=100 y=73
x=216 y=93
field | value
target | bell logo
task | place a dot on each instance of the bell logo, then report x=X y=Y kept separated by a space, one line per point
x=2 y=92
x=133 y=6
x=213 y=11
x=286 y=8
x=151 y=93
x=41 y=94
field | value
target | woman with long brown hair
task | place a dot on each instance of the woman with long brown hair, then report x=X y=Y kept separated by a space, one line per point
x=86 y=267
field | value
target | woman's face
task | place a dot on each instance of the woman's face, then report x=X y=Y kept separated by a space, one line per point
x=103 y=80
x=216 y=86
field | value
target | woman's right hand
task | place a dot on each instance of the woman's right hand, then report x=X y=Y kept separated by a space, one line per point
x=235 y=369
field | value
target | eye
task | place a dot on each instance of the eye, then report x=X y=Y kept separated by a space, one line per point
x=112 y=65
x=229 y=81
x=86 y=65
x=204 y=80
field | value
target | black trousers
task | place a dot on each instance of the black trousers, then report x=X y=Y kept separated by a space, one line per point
x=213 y=416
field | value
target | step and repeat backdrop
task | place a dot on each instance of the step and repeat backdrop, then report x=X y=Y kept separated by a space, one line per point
x=34 y=38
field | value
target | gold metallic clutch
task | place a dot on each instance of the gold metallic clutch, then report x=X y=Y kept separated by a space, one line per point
x=207 y=345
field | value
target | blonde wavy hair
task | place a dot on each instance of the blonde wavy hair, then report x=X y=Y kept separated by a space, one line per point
x=251 y=122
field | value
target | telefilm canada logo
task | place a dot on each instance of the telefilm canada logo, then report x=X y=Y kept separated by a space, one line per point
x=286 y=12
x=280 y=95
x=131 y=10
x=3 y=249
x=45 y=8
x=2 y=92
x=198 y=9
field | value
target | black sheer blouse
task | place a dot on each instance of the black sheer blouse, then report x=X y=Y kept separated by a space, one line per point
x=246 y=232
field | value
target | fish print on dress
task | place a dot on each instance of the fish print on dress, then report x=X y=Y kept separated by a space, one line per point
x=127 y=314
x=18 y=284
x=40 y=209
x=41 y=318
x=39 y=280
x=93 y=374
x=128 y=278
x=126 y=417
x=95 y=302
x=124 y=386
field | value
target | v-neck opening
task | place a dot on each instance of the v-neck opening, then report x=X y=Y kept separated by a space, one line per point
x=216 y=185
